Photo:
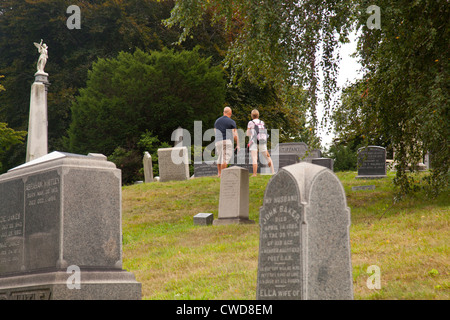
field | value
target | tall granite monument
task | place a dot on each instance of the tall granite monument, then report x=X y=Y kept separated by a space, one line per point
x=304 y=249
x=37 y=145
x=63 y=212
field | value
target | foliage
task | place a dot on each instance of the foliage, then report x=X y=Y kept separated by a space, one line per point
x=275 y=41
x=8 y=136
x=405 y=91
x=133 y=93
x=107 y=27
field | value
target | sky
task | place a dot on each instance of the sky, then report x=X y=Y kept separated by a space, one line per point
x=348 y=71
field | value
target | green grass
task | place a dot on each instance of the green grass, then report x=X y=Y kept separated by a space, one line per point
x=173 y=259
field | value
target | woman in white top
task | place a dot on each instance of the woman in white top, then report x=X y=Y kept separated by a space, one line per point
x=251 y=132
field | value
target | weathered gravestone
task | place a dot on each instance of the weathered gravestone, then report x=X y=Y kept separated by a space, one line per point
x=234 y=197
x=304 y=248
x=173 y=164
x=205 y=169
x=324 y=162
x=371 y=162
x=286 y=154
x=57 y=211
x=148 y=167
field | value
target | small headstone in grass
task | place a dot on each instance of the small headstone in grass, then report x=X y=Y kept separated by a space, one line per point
x=148 y=167
x=234 y=197
x=304 y=248
x=203 y=219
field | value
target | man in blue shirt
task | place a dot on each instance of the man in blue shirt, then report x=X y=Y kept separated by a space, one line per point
x=226 y=131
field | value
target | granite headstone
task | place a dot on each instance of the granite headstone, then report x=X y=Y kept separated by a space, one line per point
x=61 y=210
x=304 y=249
x=371 y=162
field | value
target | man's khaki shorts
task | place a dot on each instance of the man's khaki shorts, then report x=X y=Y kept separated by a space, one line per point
x=224 y=151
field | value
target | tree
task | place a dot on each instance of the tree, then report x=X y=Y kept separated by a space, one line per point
x=275 y=41
x=107 y=27
x=8 y=136
x=133 y=93
x=406 y=87
x=405 y=90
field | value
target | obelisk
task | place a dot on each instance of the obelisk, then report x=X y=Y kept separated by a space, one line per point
x=37 y=142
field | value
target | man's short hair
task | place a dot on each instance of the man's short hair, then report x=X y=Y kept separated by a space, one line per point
x=255 y=114
x=226 y=109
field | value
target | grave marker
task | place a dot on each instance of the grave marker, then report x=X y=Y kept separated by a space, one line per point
x=234 y=197
x=173 y=164
x=371 y=163
x=61 y=210
x=304 y=250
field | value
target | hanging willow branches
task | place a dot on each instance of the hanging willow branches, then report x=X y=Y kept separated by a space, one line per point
x=284 y=42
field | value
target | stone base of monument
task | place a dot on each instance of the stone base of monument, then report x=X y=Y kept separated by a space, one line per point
x=63 y=210
x=58 y=285
x=225 y=221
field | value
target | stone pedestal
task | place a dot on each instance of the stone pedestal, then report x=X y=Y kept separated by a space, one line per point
x=37 y=145
x=57 y=211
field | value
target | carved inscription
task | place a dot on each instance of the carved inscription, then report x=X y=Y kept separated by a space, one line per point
x=279 y=267
x=11 y=225
x=36 y=294
x=42 y=192
x=372 y=161
x=11 y=228
x=42 y=214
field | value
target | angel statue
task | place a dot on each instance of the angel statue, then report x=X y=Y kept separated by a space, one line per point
x=43 y=50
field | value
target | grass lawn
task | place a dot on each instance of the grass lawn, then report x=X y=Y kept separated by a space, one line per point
x=173 y=259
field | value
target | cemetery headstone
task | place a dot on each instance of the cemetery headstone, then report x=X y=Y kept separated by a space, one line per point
x=371 y=162
x=205 y=169
x=324 y=162
x=173 y=164
x=234 y=197
x=286 y=154
x=57 y=211
x=304 y=248
x=148 y=167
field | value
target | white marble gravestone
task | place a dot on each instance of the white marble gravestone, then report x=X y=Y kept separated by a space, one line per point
x=234 y=197
x=148 y=167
